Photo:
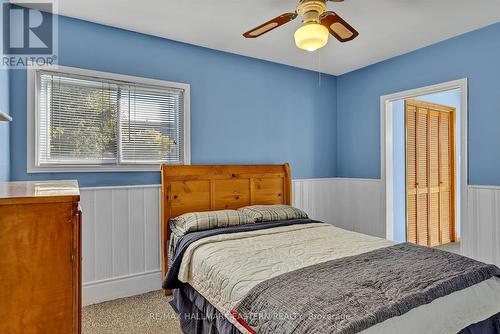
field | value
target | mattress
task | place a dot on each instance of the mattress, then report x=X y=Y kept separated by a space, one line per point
x=223 y=268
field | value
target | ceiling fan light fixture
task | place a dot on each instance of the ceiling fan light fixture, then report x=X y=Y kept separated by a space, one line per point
x=311 y=36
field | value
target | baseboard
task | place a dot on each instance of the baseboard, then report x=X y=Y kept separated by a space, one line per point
x=120 y=287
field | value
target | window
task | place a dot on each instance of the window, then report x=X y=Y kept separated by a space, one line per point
x=86 y=120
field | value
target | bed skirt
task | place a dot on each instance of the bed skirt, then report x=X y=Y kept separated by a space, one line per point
x=488 y=326
x=198 y=316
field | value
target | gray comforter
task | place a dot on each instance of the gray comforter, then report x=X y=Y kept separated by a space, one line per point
x=351 y=294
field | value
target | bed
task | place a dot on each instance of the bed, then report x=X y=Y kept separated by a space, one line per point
x=279 y=277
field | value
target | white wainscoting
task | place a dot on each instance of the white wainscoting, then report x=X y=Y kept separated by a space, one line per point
x=481 y=232
x=353 y=204
x=121 y=242
x=121 y=230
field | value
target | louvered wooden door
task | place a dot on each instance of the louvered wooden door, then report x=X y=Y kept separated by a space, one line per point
x=430 y=173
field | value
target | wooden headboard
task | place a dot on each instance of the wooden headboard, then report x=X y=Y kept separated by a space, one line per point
x=195 y=188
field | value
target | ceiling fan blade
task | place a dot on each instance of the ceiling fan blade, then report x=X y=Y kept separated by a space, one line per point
x=338 y=27
x=270 y=25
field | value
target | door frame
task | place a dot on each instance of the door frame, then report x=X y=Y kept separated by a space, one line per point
x=386 y=148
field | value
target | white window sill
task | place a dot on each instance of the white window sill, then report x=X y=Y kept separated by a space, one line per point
x=93 y=169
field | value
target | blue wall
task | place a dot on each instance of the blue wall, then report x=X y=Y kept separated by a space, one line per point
x=474 y=55
x=4 y=126
x=243 y=110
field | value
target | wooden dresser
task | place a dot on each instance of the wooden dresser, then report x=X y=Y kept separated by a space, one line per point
x=40 y=261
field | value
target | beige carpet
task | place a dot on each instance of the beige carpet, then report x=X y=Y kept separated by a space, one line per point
x=148 y=313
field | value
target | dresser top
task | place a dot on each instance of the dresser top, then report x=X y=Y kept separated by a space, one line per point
x=39 y=192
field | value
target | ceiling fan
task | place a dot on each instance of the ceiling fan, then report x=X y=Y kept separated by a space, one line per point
x=317 y=23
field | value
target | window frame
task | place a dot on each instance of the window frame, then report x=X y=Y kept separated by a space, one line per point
x=33 y=112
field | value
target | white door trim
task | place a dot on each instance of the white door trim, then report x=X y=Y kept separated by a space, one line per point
x=386 y=160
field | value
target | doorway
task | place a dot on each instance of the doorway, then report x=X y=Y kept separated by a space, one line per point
x=430 y=173
x=439 y=191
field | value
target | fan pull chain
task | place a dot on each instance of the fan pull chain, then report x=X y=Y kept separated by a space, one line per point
x=319 y=69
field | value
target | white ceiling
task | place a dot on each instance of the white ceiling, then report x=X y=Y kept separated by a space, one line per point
x=387 y=27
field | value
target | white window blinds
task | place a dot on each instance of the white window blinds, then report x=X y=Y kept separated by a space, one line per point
x=89 y=121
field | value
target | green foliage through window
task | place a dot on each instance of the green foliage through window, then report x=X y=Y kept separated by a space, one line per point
x=84 y=121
